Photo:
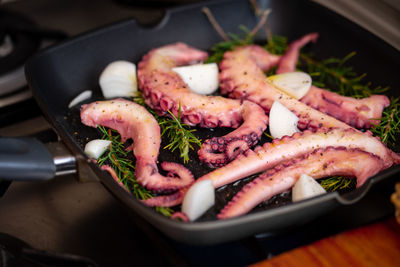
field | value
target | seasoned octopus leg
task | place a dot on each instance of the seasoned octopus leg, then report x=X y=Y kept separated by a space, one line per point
x=288 y=148
x=318 y=164
x=271 y=154
x=359 y=113
x=134 y=121
x=288 y=61
x=242 y=77
x=165 y=91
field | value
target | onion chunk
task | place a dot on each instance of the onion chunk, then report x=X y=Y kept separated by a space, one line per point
x=282 y=121
x=80 y=98
x=296 y=84
x=201 y=78
x=96 y=148
x=306 y=187
x=198 y=199
x=119 y=79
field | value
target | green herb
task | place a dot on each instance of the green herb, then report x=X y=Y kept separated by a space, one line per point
x=179 y=136
x=389 y=125
x=219 y=49
x=268 y=135
x=124 y=168
x=336 y=183
x=277 y=45
x=333 y=74
x=139 y=99
x=178 y=133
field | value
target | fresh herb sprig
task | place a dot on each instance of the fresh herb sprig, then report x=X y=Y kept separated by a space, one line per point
x=335 y=75
x=277 y=44
x=389 y=126
x=336 y=183
x=180 y=135
x=117 y=155
x=218 y=50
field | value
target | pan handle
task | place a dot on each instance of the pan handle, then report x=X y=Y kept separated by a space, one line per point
x=27 y=159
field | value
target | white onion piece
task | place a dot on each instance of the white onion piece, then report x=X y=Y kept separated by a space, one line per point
x=96 y=148
x=198 y=199
x=201 y=78
x=119 y=79
x=306 y=187
x=282 y=121
x=296 y=84
x=79 y=98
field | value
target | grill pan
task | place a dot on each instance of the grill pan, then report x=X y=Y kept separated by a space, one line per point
x=59 y=73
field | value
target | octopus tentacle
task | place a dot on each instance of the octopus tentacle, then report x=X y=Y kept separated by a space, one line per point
x=169 y=200
x=271 y=154
x=320 y=163
x=180 y=216
x=134 y=121
x=291 y=147
x=114 y=175
x=360 y=113
x=165 y=91
x=242 y=78
x=289 y=59
x=217 y=151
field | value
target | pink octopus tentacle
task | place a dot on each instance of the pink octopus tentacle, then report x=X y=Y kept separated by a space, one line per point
x=158 y=81
x=114 y=175
x=133 y=121
x=217 y=151
x=181 y=216
x=360 y=113
x=242 y=78
x=318 y=164
x=170 y=200
x=147 y=175
x=288 y=148
x=271 y=154
x=289 y=59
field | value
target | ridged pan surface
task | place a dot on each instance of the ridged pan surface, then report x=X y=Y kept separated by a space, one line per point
x=60 y=73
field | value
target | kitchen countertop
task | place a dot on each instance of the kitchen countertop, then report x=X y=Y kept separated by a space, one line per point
x=377 y=244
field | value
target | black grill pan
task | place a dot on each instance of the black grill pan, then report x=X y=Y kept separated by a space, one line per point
x=58 y=74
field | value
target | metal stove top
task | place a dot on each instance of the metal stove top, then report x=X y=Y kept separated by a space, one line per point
x=64 y=216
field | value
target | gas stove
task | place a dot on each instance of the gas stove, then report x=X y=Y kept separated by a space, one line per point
x=81 y=223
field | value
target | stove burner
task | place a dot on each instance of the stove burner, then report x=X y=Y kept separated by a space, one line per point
x=16 y=43
x=20 y=38
x=15 y=48
x=6 y=47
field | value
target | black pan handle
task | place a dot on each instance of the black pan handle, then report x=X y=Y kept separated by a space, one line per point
x=27 y=159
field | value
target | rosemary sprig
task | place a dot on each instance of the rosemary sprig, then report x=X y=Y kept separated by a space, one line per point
x=277 y=44
x=124 y=168
x=180 y=137
x=179 y=134
x=336 y=183
x=218 y=50
x=389 y=125
x=333 y=74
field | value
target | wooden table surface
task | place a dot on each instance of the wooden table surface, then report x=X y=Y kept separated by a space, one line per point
x=377 y=244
